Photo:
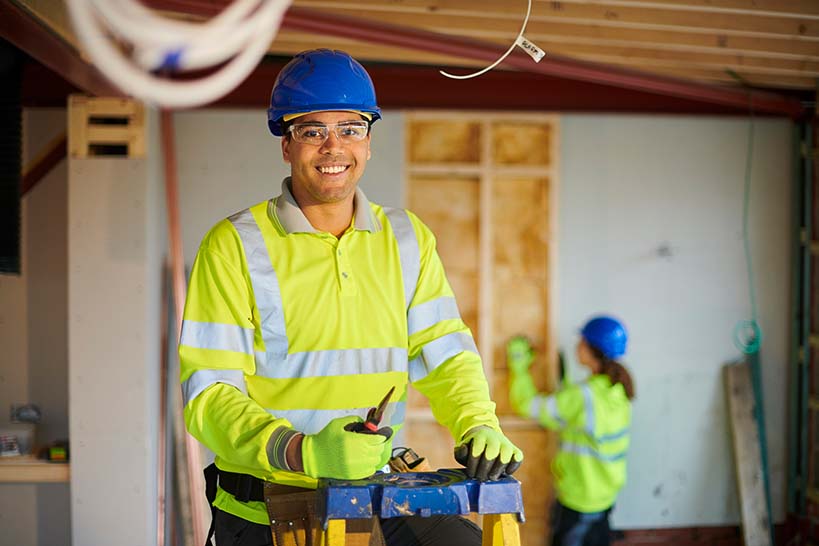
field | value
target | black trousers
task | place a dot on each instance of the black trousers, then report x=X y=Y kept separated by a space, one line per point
x=409 y=531
x=572 y=528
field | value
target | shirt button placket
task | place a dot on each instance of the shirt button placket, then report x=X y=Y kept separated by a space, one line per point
x=345 y=272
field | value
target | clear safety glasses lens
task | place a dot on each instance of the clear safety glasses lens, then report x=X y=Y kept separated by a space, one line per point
x=317 y=133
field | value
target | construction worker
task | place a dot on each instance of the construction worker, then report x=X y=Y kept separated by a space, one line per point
x=304 y=310
x=593 y=418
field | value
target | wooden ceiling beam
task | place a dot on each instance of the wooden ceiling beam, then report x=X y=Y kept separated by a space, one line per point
x=655 y=17
x=288 y=42
x=322 y=23
x=755 y=76
x=506 y=30
x=318 y=22
x=768 y=7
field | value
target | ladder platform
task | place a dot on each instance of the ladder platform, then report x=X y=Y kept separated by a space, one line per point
x=445 y=492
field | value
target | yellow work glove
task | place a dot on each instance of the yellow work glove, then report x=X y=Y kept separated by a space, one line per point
x=487 y=454
x=519 y=354
x=522 y=389
x=342 y=454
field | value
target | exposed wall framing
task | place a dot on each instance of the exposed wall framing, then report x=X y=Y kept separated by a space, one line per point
x=485 y=183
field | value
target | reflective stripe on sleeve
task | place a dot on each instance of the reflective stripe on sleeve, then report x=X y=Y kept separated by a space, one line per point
x=220 y=337
x=332 y=362
x=588 y=404
x=202 y=379
x=430 y=313
x=438 y=351
x=551 y=409
x=407 y=250
x=265 y=283
x=586 y=450
x=535 y=407
x=311 y=421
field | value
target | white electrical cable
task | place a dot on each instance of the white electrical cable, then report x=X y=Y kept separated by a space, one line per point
x=239 y=36
x=518 y=41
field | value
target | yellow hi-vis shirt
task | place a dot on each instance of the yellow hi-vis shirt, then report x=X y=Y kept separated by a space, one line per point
x=286 y=326
x=593 y=418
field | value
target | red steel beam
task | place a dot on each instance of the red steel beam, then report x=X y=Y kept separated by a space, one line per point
x=495 y=90
x=28 y=33
x=320 y=22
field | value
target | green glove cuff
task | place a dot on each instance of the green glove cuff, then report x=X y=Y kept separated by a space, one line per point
x=522 y=390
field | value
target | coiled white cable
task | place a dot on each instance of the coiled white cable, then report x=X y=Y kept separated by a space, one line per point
x=238 y=37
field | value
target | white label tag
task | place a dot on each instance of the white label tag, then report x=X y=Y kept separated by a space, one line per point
x=534 y=51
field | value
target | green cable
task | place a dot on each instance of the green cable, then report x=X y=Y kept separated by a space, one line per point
x=747 y=333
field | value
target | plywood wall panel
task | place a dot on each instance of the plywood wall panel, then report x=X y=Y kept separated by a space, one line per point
x=449 y=141
x=521 y=271
x=519 y=143
x=450 y=206
x=520 y=220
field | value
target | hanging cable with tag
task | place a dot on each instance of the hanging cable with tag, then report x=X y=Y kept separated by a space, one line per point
x=529 y=47
x=132 y=45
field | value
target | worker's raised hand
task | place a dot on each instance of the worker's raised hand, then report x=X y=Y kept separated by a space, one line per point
x=519 y=354
x=335 y=452
x=487 y=454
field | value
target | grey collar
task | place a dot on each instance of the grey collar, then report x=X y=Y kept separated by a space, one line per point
x=293 y=220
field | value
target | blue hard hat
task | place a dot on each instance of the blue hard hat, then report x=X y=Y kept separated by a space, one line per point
x=607 y=335
x=321 y=80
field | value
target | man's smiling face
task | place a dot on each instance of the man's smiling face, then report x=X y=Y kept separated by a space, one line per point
x=327 y=173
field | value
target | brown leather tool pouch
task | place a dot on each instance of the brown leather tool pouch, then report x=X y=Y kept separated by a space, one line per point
x=294 y=522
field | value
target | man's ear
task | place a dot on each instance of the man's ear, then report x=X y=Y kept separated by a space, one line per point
x=286 y=149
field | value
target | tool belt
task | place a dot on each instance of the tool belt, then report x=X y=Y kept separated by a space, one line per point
x=292 y=510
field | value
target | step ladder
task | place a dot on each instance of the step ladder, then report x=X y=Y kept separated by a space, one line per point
x=445 y=492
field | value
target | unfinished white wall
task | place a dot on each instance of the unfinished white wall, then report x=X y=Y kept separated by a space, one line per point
x=117 y=241
x=33 y=338
x=631 y=186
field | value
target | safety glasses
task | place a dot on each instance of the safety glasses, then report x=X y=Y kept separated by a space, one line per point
x=346 y=132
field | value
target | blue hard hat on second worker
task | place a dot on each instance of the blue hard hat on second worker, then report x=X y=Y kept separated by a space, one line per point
x=321 y=80
x=607 y=335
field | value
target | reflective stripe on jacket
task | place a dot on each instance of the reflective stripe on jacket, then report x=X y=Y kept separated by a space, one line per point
x=288 y=326
x=593 y=419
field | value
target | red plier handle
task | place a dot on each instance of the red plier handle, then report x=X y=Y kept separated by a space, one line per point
x=374 y=415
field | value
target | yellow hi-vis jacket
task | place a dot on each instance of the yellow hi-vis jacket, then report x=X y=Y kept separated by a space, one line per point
x=593 y=419
x=285 y=326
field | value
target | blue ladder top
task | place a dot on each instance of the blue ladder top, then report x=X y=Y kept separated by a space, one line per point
x=445 y=492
